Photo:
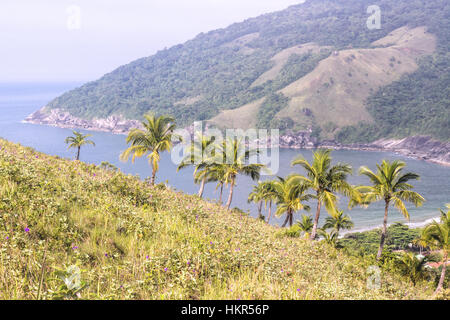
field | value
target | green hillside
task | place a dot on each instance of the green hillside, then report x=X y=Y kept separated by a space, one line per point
x=315 y=65
x=131 y=241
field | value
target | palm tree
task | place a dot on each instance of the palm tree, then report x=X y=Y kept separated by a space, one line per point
x=325 y=180
x=436 y=236
x=412 y=266
x=338 y=221
x=155 y=138
x=330 y=238
x=291 y=195
x=390 y=185
x=217 y=173
x=234 y=157
x=77 y=141
x=305 y=225
x=202 y=164
x=257 y=196
x=269 y=195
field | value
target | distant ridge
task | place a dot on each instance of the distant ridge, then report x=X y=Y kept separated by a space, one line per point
x=314 y=66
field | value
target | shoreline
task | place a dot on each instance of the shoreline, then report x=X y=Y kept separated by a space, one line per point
x=411 y=225
x=416 y=147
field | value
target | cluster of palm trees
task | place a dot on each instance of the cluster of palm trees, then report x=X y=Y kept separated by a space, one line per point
x=222 y=161
x=435 y=236
x=326 y=182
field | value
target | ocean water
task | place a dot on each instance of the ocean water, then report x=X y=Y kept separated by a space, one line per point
x=19 y=100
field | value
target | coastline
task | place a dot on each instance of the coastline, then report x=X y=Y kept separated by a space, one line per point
x=417 y=147
x=411 y=225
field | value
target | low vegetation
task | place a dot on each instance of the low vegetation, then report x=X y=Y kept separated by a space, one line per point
x=73 y=230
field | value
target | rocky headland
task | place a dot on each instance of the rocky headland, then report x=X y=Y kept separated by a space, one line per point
x=418 y=147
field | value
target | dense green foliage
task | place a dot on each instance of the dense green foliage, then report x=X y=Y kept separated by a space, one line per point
x=399 y=236
x=214 y=72
x=417 y=104
x=270 y=107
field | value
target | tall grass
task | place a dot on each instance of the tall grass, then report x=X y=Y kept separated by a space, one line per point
x=131 y=241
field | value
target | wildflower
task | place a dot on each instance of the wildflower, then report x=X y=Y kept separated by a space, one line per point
x=7 y=238
x=188 y=263
x=298 y=290
x=147 y=257
x=74 y=248
x=106 y=255
x=165 y=269
x=27 y=229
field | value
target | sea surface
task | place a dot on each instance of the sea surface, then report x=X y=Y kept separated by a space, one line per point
x=18 y=100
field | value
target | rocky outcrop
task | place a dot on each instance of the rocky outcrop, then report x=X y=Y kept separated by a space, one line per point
x=419 y=147
x=63 y=119
x=298 y=140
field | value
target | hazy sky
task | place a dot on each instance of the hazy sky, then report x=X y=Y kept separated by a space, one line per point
x=43 y=40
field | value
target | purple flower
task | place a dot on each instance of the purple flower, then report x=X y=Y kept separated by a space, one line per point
x=74 y=248
x=298 y=290
x=188 y=263
x=106 y=254
x=165 y=269
x=27 y=229
x=147 y=257
x=7 y=238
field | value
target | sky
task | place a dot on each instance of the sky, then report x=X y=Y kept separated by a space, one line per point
x=81 y=40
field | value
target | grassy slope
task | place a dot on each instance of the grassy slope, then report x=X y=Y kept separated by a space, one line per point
x=335 y=91
x=195 y=249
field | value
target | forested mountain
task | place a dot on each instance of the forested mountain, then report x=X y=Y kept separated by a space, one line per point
x=314 y=65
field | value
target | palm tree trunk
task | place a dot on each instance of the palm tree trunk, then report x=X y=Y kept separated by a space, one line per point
x=78 y=153
x=270 y=211
x=260 y=209
x=202 y=187
x=291 y=216
x=286 y=221
x=152 y=180
x=384 y=231
x=230 y=197
x=221 y=192
x=316 y=221
x=444 y=268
